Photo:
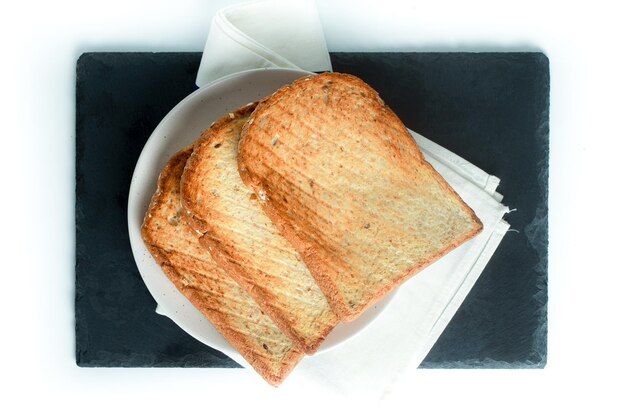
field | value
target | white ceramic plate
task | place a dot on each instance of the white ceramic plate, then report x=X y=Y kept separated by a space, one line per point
x=182 y=125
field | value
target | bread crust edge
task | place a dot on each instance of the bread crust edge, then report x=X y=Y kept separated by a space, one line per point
x=237 y=274
x=311 y=258
x=289 y=362
x=203 y=230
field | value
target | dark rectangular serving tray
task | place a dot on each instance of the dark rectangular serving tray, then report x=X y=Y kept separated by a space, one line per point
x=490 y=108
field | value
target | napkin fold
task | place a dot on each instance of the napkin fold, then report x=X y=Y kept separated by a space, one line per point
x=252 y=35
x=287 y=34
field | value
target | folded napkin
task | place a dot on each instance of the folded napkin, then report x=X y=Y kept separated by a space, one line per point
x=251 y=36
x=287 y=34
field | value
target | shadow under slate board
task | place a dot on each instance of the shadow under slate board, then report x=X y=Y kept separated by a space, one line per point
x=489 y=108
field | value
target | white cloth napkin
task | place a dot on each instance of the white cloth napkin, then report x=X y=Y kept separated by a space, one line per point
x=252 y=35
x=275 y=33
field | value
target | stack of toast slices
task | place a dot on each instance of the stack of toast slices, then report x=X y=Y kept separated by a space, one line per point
x=293 y=214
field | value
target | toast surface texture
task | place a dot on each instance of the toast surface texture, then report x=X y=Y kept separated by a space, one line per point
x=224 y=303
x=341 y=177
x=244 y=241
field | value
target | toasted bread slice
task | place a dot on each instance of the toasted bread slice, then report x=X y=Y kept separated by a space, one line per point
x=243 y=240
x=341 y=177
x=224 y=303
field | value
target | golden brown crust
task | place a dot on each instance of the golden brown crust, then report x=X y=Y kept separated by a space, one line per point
x=368 y=185
x=192 y=270
x=265 y=299
x=193 y=188
x=259 y=363
x=216 y=204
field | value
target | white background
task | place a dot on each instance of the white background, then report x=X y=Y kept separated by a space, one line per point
x=585 y=372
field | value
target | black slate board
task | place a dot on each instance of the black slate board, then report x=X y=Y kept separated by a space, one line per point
x=490 y=108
